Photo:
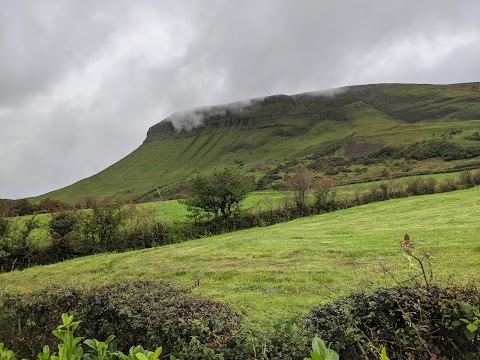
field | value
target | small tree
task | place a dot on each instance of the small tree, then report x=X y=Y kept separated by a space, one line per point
x=300 y=183
x=324 y=193
x=61 y=225
x=102 y=224
x=220 y=193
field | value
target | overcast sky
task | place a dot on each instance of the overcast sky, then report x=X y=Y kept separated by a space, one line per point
x=81 y=81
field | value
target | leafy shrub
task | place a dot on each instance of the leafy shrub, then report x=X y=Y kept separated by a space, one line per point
x=61 y=226
x=102 y=224
x=413 y=322
x=63 y=223
x=475 y=136
x=324 y=192
x=145 y=312
x=476 y=178
x=424 y=150
x=4 y=226
x=300 y=183
x=414 y=186
x=70 y=347
x=16 y=246
x=286 y=340
x=321 y=352
x=429 y=185
x=466 y=179
x=448 y=184
x=219 y=194
x=108 y=226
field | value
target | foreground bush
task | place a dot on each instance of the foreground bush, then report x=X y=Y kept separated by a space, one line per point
x=412 y=322
x=140 y=312
x=70 y=347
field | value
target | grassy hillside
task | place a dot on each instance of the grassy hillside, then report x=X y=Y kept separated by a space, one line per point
x=284 y=270
x=331 y=132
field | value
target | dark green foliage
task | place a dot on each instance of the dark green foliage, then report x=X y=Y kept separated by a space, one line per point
x=412 y=322
x=219 y=194
x=107 y=227
x=62 y=224
x=4 y=225
x=286 y=340
x=16 y=248
x=102 y=224
x=329 y=163
x=267 y=181
x=140 y=312
x=425 y=150
x=475 y=136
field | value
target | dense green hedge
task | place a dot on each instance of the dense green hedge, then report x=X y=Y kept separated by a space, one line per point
x=137 y=312
x=413 y=322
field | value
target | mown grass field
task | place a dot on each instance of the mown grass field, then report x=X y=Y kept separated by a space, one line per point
x=283 y=270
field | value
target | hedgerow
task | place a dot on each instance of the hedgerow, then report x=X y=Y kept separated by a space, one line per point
x=109 y=226
x=137 y=312
x=408 y=322
x=413 y=322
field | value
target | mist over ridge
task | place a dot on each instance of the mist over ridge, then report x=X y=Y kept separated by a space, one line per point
x=328 y=104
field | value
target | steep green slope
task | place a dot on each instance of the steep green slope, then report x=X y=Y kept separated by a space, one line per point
x=283 y=270
x=269 y=136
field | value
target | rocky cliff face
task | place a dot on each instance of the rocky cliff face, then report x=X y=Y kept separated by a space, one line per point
x=254 y=113
x=409 y=103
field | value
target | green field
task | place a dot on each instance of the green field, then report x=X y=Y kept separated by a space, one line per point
x=174 y=210
x=277 y=133
x=171 y=211
x=283 y=270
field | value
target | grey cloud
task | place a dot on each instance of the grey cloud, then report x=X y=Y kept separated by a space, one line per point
x=41 y=41
x=82 y=81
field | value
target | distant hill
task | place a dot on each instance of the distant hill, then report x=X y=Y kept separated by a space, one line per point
x=353 y=133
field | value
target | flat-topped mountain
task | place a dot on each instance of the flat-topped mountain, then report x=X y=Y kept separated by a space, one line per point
x=410 y=103
x=353 y=132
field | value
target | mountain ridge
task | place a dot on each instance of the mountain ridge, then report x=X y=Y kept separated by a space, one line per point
x=240 y=113
x=269 y=136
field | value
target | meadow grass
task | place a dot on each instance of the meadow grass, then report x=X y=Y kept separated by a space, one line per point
x=174 y=210
x=282 y=271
